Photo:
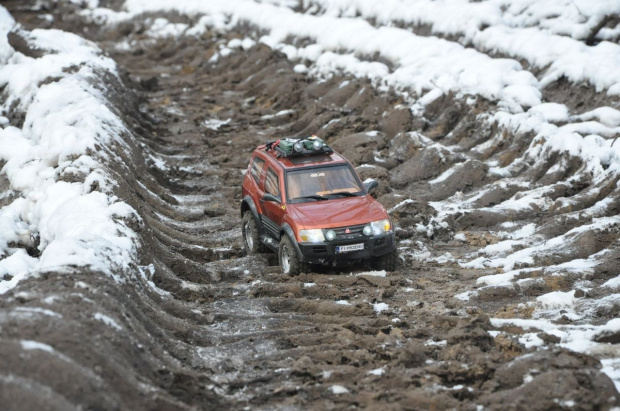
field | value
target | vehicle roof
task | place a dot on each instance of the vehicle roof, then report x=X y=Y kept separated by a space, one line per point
x=291 y=163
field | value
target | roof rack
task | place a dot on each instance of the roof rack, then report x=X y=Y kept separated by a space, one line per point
x=296 y=147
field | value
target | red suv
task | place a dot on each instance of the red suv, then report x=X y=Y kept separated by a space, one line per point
x=306 y=202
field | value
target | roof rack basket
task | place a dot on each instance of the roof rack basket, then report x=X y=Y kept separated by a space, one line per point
x=295 y=147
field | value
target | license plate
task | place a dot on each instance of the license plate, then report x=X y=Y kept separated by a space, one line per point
x=351 y=247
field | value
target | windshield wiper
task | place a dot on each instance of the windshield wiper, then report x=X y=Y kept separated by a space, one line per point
x=313 y=197
x=345 y=193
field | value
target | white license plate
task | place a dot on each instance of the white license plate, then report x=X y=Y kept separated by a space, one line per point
x=351 y=247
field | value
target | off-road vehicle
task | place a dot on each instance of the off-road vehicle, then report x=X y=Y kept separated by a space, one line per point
x=304 y=201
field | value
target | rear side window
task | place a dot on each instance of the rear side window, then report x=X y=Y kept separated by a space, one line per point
x=272 y=185
x=257 y=168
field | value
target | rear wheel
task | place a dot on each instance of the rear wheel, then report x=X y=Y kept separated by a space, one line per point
x=251 y=240
x=289 y=260
x=387 y=262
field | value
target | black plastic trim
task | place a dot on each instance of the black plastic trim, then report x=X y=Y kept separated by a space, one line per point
x=250 y=204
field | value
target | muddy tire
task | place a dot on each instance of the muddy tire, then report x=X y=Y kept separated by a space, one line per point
x=386 y=262
x=251 y=239
x=288 y=258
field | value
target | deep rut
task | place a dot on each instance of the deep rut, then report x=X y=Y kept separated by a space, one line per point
x=271 y=339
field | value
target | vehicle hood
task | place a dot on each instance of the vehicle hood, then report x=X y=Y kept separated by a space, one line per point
x=339 y=212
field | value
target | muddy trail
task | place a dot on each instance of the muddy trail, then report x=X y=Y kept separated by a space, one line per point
x=202 y=326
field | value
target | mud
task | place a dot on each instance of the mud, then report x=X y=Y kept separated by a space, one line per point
x=198 y=325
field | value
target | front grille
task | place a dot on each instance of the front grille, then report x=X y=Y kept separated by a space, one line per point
x=355 y=231
x=318 y=249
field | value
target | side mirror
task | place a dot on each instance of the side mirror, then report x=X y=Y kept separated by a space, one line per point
x=370 y=185
x=270 y=197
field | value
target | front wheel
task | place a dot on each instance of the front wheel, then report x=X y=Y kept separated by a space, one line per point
x=289 y=260
x=387 y=262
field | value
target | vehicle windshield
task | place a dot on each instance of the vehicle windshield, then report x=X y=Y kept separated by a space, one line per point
x=318 y=184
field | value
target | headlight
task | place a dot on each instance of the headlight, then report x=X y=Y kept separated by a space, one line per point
x=311 y=236
x=381 y=226
x=298 y=146
x=330 y=235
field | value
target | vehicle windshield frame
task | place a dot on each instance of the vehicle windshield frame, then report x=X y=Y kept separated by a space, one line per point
x=298 y=200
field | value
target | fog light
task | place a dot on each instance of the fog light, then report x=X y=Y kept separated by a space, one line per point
x=317 y=144
x=367 y=230
x=330 y=235
x=298 y=146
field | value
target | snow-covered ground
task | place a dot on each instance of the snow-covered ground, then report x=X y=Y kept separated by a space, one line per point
x=58 y=212
x=506 y=52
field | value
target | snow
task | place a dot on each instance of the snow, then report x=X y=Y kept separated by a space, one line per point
x=300 y=68
x=110 y=322
x=339 y=389
x=378 y=372
x=611 y=367
x=460 y=237
x=38 y=310
x=380 y=307
x=575 y=337
x=380 y=273
x=551 y=112
x=66 y=120
x=278 y=114
x=464 y=296
x=215 y=124
x=35 y=345
x=512 y=30
x=557 y=299
x=161 y=27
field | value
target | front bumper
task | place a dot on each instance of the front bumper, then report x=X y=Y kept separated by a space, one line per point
x=325 y=252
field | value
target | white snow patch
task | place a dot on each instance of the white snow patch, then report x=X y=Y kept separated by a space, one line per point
x=38 y=310
x=339 y=389
x=380 y=273
x=611 y=367
x=460 y=237
x=379 y=307
x=300 y=68
x=215 y=124
x=278 y=114
x=108 y=321
x=35 y=345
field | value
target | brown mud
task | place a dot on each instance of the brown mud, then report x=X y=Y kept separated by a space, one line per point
x=201 y=326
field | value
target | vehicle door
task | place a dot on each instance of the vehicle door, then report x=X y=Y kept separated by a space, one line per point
x=273 y=211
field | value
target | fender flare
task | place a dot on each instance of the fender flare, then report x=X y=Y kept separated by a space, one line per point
x=248 y=204
x=291 y=236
